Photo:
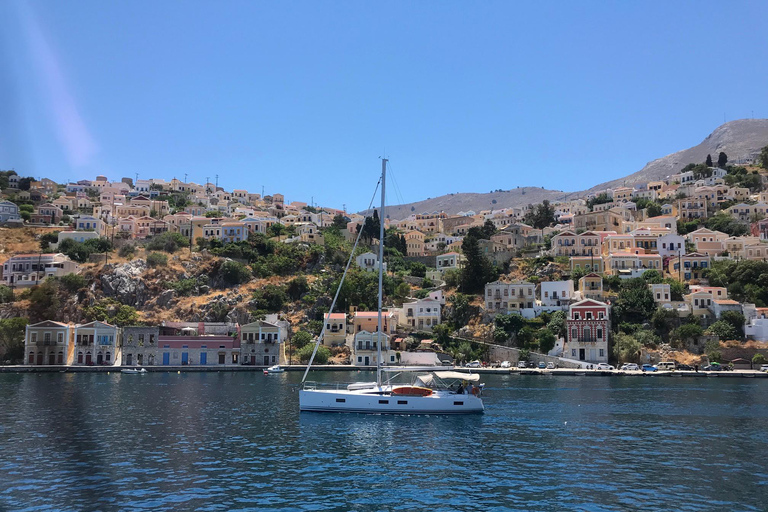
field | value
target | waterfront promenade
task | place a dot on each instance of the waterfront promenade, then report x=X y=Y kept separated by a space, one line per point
x=351 y=368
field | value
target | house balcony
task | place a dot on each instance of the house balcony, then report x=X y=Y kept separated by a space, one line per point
x=590 y=339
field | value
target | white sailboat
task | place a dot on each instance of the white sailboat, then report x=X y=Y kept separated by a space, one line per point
x=428 y=391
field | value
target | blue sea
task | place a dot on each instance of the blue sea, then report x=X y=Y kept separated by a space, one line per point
x=224 y=441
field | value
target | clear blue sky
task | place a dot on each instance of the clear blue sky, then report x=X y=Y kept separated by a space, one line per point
x=303 y=97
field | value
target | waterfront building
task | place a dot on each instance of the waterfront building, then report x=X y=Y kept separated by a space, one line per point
x=587 y=331
x=365 y=349
x=369 y=321
x=96 y=343
x=195 y=350
x=335 y=329
x=260 y=343
x=49 y=343
x=139 y=345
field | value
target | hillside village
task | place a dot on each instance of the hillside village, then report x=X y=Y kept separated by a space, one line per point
x=154 y=272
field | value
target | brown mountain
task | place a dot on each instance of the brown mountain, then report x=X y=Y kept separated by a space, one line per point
x=741 y=139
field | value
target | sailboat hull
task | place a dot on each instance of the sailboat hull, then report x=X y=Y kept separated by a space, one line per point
x=379 y=402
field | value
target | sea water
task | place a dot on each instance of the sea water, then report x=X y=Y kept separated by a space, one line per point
x=223 y=441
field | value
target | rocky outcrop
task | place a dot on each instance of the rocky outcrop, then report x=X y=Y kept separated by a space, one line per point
x=125 y=283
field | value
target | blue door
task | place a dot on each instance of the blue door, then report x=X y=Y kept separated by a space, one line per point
x=185 y=358
x=166 y=358
x=203 y=358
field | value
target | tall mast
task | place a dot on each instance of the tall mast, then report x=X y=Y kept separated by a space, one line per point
x=381 y=264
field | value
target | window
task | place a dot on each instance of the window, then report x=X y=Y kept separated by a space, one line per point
x=602 y=352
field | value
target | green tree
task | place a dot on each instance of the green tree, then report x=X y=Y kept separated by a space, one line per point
x=540 y=216
x=73 y=282
x=758 y=359
x=557 y=324
x=626 y=348
x=461 y=311
x=763 y=158
x=111 y=312
x=712 y=349
x=478 y=269
x=270 y=298
x=233 y=273
x=684 y=334
x=402 y=290
x=301 y=339
x=44 y=302
x=634 y=304
x=442 y=333
x=297 y=287
x=547 y=341
x=12 y=331
x=6 y=294
x=321 y=357
x=418 y=269
x=339 y=221
x=736 y=320
x=708 y=162
x=647 y=338
x=722 y=330
x=722 y=160
x=25 y=183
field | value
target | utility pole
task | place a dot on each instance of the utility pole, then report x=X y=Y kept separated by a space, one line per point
x=185 y=177
x=217 y=182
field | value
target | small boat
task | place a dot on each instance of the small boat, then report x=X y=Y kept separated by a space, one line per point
x=274 y=369
x=133 y=370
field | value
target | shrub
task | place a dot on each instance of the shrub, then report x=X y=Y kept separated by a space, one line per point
x=270 y=298
x=6 y=294
x=234 y=273
x=322 y=356
x=168 y=242
x=297 y=287
x=301 y=339
x=184 y=286
x=127 y=251
x=156 y=259
x=73 y=282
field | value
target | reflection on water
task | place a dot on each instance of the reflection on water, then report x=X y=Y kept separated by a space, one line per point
x=220 y=441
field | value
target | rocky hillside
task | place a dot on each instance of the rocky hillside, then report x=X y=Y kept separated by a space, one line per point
x=738 y=139
x=455 y=203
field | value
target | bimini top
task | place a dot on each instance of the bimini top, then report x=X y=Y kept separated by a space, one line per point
x=429 y=379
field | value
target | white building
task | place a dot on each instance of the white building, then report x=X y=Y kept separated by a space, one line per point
x=556 y=294
x=671 y=245
x=96 y=343
x=503 y=297
x=661 y=293
x=369 y=261
x=29 y=269
x=422 y=314
x=365 y=349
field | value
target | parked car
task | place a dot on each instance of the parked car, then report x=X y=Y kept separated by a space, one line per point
x=714 y=367
x=474 y=364
x=542 y=365
x=665 y=365
x=521 y=364
x=605 y=366
x=531 y=364
x=505 y=364
x=764 y=368
x=648 y=368
x=685 y=367
x=630 y=367
x=550 y=365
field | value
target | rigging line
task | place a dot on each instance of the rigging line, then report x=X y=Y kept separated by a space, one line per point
x=341 y=283
x=397 y=187
x=398 y=194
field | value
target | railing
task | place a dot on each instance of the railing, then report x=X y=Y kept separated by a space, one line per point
x=590 y=339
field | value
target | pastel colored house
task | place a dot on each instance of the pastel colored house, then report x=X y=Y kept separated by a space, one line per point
x=260 y=344
x=335 y=329
x=556 y=294
x=49 y=343
x=96 y=343
x=421 y=314
x=591 y=287
x=506 y=297
x=24 y=270
x=587 y=331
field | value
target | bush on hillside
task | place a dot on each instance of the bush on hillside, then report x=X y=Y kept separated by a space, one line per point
x=156 y=259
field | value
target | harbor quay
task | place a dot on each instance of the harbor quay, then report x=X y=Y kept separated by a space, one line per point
x=353 y=368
